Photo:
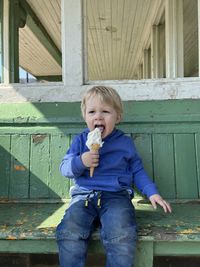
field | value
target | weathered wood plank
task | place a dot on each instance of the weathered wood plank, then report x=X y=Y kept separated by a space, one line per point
x=37 y=222
x=134 y=112
x=167 y=248
x=19 y=178
x=4 y=165
x=197 y=139
x=185 y=164
x=160 y=119
x=39 y=166
x=144 y=254
x=59 y=185
x=28 y=246
x=144 y=146
x=163 y=161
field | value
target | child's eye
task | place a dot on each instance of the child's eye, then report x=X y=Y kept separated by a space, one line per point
x=106 y=111
x=91 y=111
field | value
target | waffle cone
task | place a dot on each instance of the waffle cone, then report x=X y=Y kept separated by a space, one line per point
x=94 y=147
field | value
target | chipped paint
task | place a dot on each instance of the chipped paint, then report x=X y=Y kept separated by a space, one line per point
x=11 y=237
x=38 y=138
x=38 y=221
x=19 y=167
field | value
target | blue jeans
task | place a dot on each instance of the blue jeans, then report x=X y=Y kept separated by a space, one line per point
x=117 y=224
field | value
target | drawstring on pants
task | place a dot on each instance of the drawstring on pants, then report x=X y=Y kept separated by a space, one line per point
x=98 y=198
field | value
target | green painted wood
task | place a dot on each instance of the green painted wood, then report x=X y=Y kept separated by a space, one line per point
x=137 y=112
x=197 y=140
x=67 y=117
x=168 y=139
x=57 y=183
x=29 y=223
x=162 y=111
x=39 y=166
x=28 y=246
x=144 y=254
x=167 y=248
x=19 y=178
x=163 y=162
x=72 y=128
x=153 y=138
x=143 y=144
x=4 y=165
x=185 y=164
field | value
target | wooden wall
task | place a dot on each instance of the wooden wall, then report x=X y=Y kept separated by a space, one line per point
x=34 y=137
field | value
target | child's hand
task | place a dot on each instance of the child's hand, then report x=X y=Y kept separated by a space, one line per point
x=90 y=159
x=157 y=199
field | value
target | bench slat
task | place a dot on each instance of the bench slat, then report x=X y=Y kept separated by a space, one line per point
x=30 y=221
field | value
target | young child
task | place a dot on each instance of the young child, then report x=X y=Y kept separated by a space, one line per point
x=107 y=195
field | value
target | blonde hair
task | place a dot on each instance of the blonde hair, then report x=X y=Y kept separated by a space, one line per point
x=105 y=94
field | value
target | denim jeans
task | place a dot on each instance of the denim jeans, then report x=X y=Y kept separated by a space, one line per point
x=117 y=225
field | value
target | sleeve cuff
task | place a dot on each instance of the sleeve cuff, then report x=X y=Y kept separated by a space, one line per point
x=150 y=190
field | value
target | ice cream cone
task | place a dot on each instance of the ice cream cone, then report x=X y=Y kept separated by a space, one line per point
x=95 y=148
x=94 y=142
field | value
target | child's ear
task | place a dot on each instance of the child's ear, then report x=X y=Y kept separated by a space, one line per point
x=119 y=117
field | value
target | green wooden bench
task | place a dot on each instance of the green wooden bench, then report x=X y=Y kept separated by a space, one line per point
x=33 y=194
x=30 y=228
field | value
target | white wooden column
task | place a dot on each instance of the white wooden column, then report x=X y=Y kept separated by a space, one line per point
x=198 y=3
x=6 y=65
x=155 y=52
x=174 y=38
x=72 y=42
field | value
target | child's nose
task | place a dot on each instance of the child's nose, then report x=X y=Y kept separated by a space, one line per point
x=99 y=115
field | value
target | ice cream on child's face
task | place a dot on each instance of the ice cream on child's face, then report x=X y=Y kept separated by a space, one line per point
x=94 y=137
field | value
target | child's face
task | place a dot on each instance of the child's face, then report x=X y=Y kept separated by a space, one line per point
x=100 y=114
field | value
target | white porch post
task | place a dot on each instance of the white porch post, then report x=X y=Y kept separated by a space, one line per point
x=6 y=44
x=72 y=42
x=174 y=38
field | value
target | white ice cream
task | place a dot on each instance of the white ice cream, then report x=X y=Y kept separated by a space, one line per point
x=94 y=137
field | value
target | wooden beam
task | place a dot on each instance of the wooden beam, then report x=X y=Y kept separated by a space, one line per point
x=198 y=6
x=51 y=78
x=144 y=254
x=147 y=64
x=174 y=39
x=34 y=24
x=155 y=51
x=10 y=57
x=140 y=71
x=177 y=248
x=6 y=43
x=1 y=41
x=162 y=53
x=72 y=42
x=13 y=41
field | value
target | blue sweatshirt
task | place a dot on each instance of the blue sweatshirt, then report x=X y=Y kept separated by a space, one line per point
x=119 y=167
